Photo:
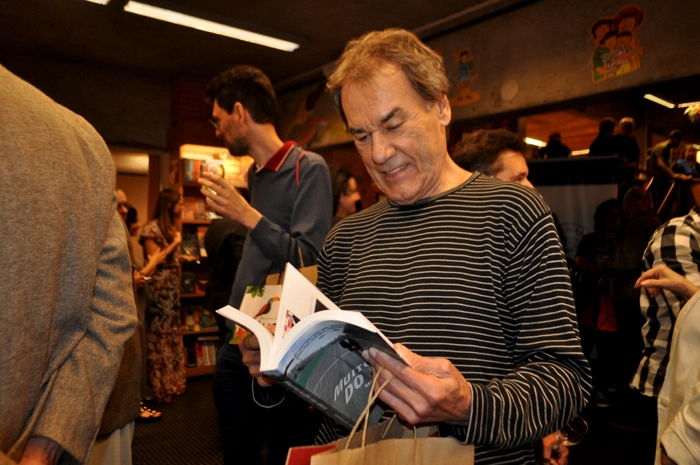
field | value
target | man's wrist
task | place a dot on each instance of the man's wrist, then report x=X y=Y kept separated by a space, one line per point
x=251 y=219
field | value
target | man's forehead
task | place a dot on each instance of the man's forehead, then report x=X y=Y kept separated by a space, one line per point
x=511 y=159
x=379 y=97
x=385 y=76
x=510 y=154
x=121 y=196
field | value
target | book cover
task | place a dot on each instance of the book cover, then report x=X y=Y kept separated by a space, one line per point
x=316 y=349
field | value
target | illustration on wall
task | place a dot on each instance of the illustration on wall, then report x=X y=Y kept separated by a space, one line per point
x=312 y=120
x=467 y=74
x=618 y=48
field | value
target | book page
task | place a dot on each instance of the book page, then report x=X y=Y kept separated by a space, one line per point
x=262 y=303
x=251 y=324
x=299 y=299
x=319 y=330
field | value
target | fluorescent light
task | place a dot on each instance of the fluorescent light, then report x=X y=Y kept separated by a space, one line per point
x=208 y=26
x=575 y=153
x=101 y=2
x=536 y=142
x=660 y=101
x=687 y=104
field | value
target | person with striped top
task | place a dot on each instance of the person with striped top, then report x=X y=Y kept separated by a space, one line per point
x=463 y=272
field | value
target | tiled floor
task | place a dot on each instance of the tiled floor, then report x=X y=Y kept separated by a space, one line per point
x=187 y=433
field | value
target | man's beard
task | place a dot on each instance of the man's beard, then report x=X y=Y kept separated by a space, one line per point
x=238 y=147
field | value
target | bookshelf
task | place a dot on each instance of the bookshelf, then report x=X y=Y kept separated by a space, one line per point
x=200 y=351
x=199 y=371
x=199 y=330
x=200 y=334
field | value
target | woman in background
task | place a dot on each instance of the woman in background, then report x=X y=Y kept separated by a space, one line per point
x=166 y=363
x=345 y=194
x=132 y=221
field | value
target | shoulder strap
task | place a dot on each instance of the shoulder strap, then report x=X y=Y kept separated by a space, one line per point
x=303 y=152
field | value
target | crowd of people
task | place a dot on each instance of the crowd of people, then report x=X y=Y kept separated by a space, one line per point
x=666 y=176
x=496 y=344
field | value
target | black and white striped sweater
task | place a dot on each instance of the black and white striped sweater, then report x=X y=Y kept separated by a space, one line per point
x=476 y=275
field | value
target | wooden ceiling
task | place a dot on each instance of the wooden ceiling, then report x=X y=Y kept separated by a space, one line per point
x=577 y=130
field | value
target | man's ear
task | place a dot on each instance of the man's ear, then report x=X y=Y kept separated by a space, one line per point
x=444 y=110
x=242 y=117
x=238 y=111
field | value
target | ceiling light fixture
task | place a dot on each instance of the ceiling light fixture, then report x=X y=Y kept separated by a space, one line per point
x=100 y=2
x=576 y=153
x=531 y=141
x=182 y=19
x=687 y=104
x=660 y=101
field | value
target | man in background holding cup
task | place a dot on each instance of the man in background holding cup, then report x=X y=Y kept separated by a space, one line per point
x=289 y=215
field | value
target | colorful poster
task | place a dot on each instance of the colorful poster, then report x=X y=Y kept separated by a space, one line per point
x=310 y=118
x=467 y=74
x=617 y=45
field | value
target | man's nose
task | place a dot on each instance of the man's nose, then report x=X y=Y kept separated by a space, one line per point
x=382 y=148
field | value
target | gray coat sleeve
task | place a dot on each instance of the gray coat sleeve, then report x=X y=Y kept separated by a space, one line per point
x=78 y=391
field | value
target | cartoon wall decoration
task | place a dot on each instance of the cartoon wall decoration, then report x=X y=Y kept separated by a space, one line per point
x=467 y=74
x=310 y=118
x=618 y=48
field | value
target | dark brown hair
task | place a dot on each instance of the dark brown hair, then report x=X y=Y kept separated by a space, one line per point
x=249 y=86
x=164 y=212
x=481 y=150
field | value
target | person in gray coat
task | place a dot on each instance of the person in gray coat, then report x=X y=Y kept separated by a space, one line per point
x=67 y=304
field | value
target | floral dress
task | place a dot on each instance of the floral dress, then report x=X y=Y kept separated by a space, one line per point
x=166 y=360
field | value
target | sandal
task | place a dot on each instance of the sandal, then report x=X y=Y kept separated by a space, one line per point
x=148 y=415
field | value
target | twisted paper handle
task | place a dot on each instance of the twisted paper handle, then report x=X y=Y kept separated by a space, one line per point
x=365 y=413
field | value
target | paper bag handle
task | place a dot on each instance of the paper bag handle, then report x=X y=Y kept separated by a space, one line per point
x=301 y=257
x=280 y=275
x=364 y=416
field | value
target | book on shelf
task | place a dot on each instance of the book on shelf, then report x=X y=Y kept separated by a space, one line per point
x=208 y=344
x=190 y=245
x=202 y=352
x=197 y=318
x=199 y=351
x=191 y=356
x=188 y=208
x=316 y=347
x=201 y=232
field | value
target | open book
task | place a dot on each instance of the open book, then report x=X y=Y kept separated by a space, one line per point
x=316 y=348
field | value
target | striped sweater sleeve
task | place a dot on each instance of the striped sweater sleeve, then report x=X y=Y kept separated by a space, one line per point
x=551 y=382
